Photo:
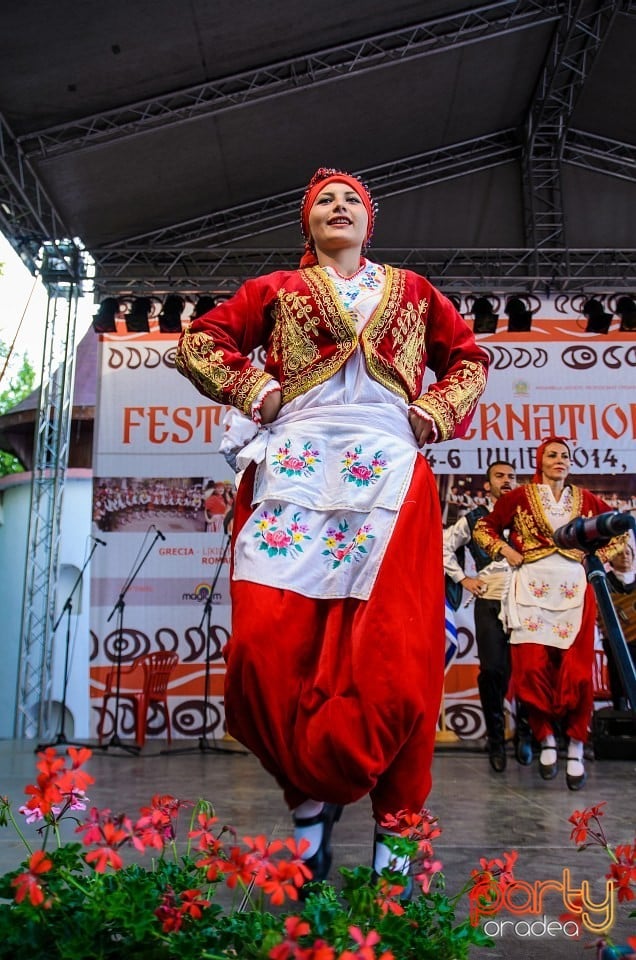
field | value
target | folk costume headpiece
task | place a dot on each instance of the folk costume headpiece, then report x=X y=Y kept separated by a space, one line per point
x=538 y=473
x=321 y=178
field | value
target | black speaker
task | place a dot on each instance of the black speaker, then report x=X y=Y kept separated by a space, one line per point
x=614 y=734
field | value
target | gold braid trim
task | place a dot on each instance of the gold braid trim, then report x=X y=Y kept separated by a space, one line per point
x=486 y=540
x=535 y=528
x=605 y=553
x=296 y=331
x=449 y=405
x=382 y=319
x=199 y=361
x=613 y=548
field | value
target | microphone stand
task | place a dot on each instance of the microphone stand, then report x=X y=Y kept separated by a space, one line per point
x=115 y=740
x=204 y=745
x=61 y=739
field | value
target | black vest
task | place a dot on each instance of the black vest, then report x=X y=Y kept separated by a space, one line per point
x=480 y=556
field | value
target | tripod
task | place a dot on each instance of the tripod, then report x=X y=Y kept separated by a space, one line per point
x=204 y=745
x=115 y=740
x=61 y=739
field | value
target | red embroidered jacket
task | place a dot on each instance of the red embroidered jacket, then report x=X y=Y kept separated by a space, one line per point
x=307 y=335
x=520 y=511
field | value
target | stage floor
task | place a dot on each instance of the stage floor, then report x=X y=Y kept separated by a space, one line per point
x=481 y=814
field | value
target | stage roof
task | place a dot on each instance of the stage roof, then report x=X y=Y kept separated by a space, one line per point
x=174 y=139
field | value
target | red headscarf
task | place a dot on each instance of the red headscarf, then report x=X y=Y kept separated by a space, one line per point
x=538 y=459
x=318 y=182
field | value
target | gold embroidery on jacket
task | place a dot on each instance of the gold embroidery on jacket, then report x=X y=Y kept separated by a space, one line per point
x=535 y=531
x=377 y=329
x=486 y=540
x=543 y=524
x=203 y=365
x=448 y=406
x=408 y=341
x=296 y=325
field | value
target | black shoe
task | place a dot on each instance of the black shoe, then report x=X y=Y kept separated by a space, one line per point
x=497 y=756
x=575 y=782
x=548 y=770
x=320 y=862
x=523 y=751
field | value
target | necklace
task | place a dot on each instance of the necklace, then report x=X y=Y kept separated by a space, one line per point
x=358 y=271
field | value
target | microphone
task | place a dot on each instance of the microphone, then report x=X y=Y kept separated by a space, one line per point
x=590 y=533
x=159 y=533
x=97 y=540
x=227 y=519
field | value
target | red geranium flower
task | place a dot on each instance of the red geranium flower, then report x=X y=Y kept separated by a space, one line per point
x=28 y=884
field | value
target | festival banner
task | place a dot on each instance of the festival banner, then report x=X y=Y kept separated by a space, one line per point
x=557 y=381
x=162 y=494
x=157 y=468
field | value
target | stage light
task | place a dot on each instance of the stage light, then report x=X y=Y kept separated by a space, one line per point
x=170 y=316
x=137 y=319
x=104 y=319
x=519 y=317
x=203 y=304
x=485 y=319
x=626 y=310
x=598 y=320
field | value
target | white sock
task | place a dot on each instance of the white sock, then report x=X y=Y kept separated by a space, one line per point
x=308 y=808
x=548 y=750
x=575 y=758
x=385 y=858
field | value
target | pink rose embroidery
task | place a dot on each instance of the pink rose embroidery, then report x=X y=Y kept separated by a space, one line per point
x=354 y=470
x=280 y=541
x=355 y=550
x=295 y=464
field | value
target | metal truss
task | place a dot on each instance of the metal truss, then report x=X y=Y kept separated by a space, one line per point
x=600 y=154
x=34 y=228
x=147 y=269
x=240 y=221
x=576 y=43
x=61 y=272
x=287 y=76
x=27 y=216
x=281 y=210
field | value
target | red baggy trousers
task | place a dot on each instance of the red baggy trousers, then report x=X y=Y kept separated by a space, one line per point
x=340 y=698
x=557 y=684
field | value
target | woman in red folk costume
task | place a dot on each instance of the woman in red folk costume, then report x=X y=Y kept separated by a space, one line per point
x=550 y=608
x=335 y=662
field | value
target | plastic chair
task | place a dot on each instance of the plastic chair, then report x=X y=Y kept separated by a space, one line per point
x=145 y=682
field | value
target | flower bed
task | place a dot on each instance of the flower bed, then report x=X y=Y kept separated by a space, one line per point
x=80 y=900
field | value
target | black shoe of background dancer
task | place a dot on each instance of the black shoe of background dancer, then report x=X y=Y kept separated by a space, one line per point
x=548 y=771
x=523 y=751
x=320 y=862
x=497 y=756
x=576 y=781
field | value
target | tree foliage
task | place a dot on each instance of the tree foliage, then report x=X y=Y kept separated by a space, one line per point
x=16 y=383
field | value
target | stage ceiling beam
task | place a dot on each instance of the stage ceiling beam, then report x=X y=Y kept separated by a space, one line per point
x=146 y=269
x=457 y=29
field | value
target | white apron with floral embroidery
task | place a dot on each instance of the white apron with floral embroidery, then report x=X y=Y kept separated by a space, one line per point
x=329 y=484
x=333 y=470
x=544 y=600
